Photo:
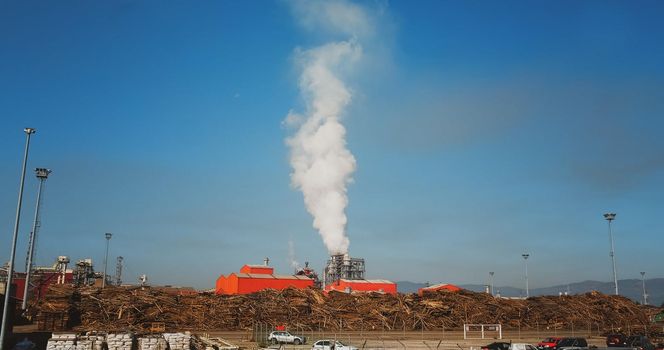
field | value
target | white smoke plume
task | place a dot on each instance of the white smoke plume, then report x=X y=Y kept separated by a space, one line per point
x=322 y=165
x=292 y=259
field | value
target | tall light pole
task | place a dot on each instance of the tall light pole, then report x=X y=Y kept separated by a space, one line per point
x=610 y=217
x=491 y=281
x=643 y=281
x=108 y=239
x=10 y=268
x=42 y=175
x=525 y=259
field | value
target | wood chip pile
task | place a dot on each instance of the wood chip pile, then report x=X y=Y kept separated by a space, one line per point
x=134 y=309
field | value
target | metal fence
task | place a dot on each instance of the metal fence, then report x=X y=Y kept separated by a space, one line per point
x=449 y=338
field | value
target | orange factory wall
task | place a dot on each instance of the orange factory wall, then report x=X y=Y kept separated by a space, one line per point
x=250 y=285
x=227 y=285
x=340 y=286
x=232 y=284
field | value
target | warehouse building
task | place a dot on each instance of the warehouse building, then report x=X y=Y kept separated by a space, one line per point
x=254 y=278
x=362 y=286
x=446 y=287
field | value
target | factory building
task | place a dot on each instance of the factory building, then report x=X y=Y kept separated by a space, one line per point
x=42 y=277
x=254 y=278
x=438 y=287
x=362 y=286
x=342 y=266
x=346 y=274
x=39 y=283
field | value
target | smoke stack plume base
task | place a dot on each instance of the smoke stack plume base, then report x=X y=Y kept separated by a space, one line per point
x=342 y=266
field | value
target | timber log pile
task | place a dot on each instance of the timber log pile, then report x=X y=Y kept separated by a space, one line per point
x=135 y=308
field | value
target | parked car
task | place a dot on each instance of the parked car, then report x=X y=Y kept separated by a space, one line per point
x=331 y=345
x=549 y=342
x=639 y=342
x=616 y=340
x=497 y=346
x=283 y=337
x=522 y=346
x=571 y=344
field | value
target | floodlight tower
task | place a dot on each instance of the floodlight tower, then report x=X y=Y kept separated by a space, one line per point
x=10 y=268
x=491 y=281
x=610 y=217
x=118 y=271
x=525 y=260
x=108 y=239
x=42 y=175
x=643 y=281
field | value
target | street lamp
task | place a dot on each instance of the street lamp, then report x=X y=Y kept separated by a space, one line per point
x=491 y=281
x=10 y=268
x=108 y=239
x=643 y=282
x=610 y=217
x=525 y=260
x=42 y=175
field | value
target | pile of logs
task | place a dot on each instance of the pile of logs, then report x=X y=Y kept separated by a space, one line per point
x=135 y=308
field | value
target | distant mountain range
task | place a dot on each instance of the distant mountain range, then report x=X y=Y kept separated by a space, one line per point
x=630 y=288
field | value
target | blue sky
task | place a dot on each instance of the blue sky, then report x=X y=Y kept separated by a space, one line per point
x=481 y=130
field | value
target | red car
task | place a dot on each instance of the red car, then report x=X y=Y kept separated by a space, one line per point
x=548 y=343
x=616 y=340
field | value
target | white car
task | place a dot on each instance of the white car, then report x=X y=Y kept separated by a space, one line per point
x=283 y=337
x=522 y=346
x=331 y=345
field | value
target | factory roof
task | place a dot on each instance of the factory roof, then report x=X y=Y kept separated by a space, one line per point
x=265 y=276
x=439 y=287
x=367 y=281
x=442 y=285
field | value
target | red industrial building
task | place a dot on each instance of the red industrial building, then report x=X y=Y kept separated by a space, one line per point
x=254 y=278
x=40 y=281
x=439 y=287
x=362 y=286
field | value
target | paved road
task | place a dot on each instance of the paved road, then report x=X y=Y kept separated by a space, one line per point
x=406 y=340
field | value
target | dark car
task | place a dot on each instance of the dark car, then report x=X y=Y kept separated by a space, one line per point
x=639 y=342
x=571 y=343
x=497 y=346
x=616 y=340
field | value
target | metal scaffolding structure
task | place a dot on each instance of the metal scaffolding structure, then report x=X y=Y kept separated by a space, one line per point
x=342 y=266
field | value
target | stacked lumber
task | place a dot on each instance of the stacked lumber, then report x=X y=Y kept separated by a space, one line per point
x=120 y=341
x=178 y=341
x=62 y=341
x=152 y=342
x=136 y=308
x=55 y=312
x=90 y=342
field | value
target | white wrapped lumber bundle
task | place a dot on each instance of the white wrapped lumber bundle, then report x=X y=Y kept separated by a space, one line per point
x=62 y=341
x=152 y=342
x=120 y=341
x=90 y=342
x=178 y=341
